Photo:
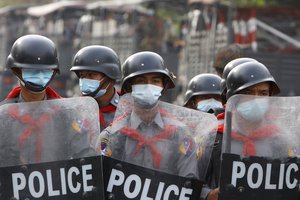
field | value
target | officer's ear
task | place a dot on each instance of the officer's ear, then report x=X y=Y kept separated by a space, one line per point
x=108 y=81
x=193 y=103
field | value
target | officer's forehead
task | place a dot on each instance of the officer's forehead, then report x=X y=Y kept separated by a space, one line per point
x=150 y=75
x=84 y=72
x=260 y=86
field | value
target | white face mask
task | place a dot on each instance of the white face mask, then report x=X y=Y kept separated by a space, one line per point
x=208 y=104
x=253 y=110
x=146 y=95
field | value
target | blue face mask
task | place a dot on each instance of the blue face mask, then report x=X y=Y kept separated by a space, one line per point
x=208 y=104
x=88 y=86
x=36 y=76
x=146 y=95
x=253 y=110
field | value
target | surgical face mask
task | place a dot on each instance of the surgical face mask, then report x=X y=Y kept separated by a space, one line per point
x=37 y=77
x=208 y=104
x=88 y=86
x=146 y=95
x=253 y=110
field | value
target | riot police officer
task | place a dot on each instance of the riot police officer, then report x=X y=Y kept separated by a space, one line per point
x=213 y=172
x=33 y=59
x=146 y=78
x=204 y=94
x=98 y=69
x=251 y=78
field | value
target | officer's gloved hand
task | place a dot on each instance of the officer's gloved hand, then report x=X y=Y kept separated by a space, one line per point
x=103 y=144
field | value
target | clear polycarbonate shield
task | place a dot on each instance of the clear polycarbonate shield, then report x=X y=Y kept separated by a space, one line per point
x=261 y=126
x=260 y=148
x=46 y=149
x=168 y=142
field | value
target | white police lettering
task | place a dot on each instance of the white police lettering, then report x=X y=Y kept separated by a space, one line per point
x=76 y=188
x=240 y=171
x=32 y=189
x=51 y=192
x=36 y=183
x=19 y=183
x=118 y=179
x=138 y=184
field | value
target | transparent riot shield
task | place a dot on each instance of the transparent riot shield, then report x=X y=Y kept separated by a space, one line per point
x=47 y=150
x=260 y=148
x=156 y=153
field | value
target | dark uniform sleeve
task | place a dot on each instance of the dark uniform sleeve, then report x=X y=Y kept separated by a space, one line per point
x=214 y=168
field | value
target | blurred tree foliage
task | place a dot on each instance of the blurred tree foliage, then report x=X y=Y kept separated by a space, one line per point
x=265 y=3
x=17 y=2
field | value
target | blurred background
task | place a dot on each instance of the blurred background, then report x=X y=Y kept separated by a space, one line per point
x=193 y=36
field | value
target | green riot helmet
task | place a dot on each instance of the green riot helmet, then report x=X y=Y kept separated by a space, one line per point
x=33 y=52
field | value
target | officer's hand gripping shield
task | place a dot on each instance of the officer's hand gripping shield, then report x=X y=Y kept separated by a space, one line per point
x=260 y=148
x=159 y=153
x=58 y=136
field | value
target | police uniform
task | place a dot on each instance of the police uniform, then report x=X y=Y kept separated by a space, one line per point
x=26 y=138
x=264 y=136
x=214 y=167
x=31 y=140
x=107 y=113
x=15 y=97
x=104 y=60
x=264 y=141
x=177 y=153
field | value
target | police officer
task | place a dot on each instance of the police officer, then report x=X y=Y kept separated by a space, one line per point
x=251 y=78
x=33 y=59
x=204 y=94
x=213 y=172
x=98 y=69
x=146 y=78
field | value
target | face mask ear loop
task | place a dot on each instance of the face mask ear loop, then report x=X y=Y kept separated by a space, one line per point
x=165 y=88
x=93 y=94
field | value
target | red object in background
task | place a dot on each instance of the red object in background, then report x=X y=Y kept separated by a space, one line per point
x=7 y=80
